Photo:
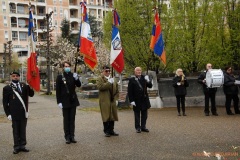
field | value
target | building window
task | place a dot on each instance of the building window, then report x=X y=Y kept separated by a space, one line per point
x=60 y=1
x=61 y=12
x=55 y=23
x=14 y=35
x=55 y=11
x=6 y=35
x=20 y=9
x=23 y=36
x=54 y=1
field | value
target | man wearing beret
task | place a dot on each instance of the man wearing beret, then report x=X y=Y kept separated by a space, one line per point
x=15 y=103
x=108 y=96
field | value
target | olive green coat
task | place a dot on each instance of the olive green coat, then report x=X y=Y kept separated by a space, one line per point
x=108 y=108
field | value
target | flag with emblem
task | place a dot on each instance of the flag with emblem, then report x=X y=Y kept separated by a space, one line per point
x=86 y=45
x=33 y=77
x=116 y=55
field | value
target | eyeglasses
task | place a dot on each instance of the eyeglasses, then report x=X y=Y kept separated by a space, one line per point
x=15 y=75
x=66 y=66
x=107 y=70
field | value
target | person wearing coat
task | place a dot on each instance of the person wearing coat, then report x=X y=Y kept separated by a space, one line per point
x=138 y=97
x=15 y=104
x=209 y=93
x=67 y=100
x=108 y=97
x=231 y=91
x=180 y=84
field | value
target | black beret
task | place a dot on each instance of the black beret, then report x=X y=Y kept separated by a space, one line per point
x=14 y=72
x=106 y=67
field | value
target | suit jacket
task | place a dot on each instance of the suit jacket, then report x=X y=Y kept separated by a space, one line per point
x=201 y=77
x=11 y=103
x=229 y=86
x=65 y=93
x=139 y=94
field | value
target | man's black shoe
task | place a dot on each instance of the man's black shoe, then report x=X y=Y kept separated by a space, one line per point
x=230 y=113
x=24 y=150
x=15 y=151
x=215 y=114
x=68 y=141
x=114 y=133
x=73 y=140
x=138 y=130
x=206 y=114
x=107 y=134
x=145 y=130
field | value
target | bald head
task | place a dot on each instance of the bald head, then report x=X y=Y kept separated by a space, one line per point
x=138 y=71
x=208 y=66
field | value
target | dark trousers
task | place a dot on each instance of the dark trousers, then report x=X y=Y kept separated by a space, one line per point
x=181 y=99
x=210 y=95
x=69 y=121
x=229 y=98
x=19 y=133
x=143 y=118
x=108 y=126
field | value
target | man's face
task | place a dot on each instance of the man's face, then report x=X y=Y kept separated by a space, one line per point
x=15 y=77
x=208 y=66
x=138 y=71
x=106 y=72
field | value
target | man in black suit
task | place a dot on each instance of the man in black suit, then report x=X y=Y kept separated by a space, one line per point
x=15 y=103
x=67 y=100
x=138 y=97
x=210 y=93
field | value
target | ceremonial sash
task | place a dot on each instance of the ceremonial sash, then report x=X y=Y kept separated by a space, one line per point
x=21 y=100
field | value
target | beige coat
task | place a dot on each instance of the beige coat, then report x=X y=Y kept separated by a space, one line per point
x=108 y=108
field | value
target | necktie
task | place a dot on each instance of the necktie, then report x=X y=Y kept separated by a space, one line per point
x=18 y=88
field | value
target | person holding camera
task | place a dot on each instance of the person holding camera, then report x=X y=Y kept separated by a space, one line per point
x=67 y=99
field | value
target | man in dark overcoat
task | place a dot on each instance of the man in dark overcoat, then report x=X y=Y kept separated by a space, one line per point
x=209 y=93
x=15 y=103
x=108 y=97
x=138 y=97
x=67 y=100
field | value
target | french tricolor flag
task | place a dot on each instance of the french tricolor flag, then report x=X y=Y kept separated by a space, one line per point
x=33 y=77
x=116 y=56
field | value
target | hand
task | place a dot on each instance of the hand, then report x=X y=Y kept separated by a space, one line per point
x=26 y=114
x=116 y=103
x=111 y=80
x=204 y=81
x=9 y=117
x=178 y=83
x=60 y=105
x=75 y=75
x=147 y=78
x=133 y=103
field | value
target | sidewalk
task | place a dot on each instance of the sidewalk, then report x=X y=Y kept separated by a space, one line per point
x=170 y=138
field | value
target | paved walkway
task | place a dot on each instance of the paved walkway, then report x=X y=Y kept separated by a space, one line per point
x=170 y=137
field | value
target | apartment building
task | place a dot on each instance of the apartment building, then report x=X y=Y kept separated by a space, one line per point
x=14 y=16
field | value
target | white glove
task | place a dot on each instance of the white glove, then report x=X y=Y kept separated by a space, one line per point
x=178 y=83
x=116 y=103
x=111 y=80
x=147 y=78
x=133 y=103
x=75 y=75
x=9 y=117
x=26 y=114
x=60 y=105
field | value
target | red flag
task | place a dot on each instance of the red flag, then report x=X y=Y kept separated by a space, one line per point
x=86 y=44
x=33 y=77
x=157 y=43
x=116 y=57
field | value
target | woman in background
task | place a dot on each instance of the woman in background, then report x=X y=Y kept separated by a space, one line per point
x=180 y=83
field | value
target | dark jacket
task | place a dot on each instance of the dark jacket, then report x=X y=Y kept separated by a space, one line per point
x=65 y=93
x=11 y=103
x=139 y=94
x=229 y=87
x=201 y=77
x=180 y=90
